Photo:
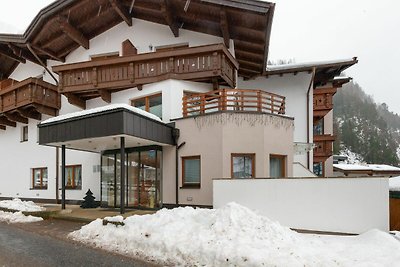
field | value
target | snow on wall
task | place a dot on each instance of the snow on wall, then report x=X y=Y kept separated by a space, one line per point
x=347 y=205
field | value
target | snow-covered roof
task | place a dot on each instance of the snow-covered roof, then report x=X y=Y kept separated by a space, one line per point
x=310 y=65
x=394 y=183
x=86 y=112
x=366 y=167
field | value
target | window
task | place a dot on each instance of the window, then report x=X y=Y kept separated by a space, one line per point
x=319 y=127
x=24 y=134
x=318 y=168
x=152 y=104
x=242 y=165
x=73 y=177
x=191 y=176
x=277 y=166
x=39 y=178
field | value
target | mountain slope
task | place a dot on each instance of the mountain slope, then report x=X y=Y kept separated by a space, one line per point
x=364 y=127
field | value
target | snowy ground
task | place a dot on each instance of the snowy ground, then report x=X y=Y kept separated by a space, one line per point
x=234 y=236
x=18 y=204
x=17 y=217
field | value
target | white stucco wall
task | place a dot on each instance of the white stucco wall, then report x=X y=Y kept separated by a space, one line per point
x=294 y=88
x=346 y=205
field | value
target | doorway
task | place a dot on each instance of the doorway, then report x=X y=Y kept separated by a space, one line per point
x=143 y=179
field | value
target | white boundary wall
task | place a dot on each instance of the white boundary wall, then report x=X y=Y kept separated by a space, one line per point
x=346 y=205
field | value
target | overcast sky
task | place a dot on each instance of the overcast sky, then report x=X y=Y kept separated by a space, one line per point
x=310 y=30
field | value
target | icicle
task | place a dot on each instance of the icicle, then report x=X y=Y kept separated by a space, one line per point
x=186 y=5
x=131 y=7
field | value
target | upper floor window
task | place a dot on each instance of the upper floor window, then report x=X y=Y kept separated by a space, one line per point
x=39 y=178
x=73 y=177
x=319 y=127
x=24 y=134
x=152 y=104
x=277 y=166
x=243 y=165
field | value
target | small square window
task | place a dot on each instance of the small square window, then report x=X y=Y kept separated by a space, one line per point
x=191 y=171
x=243 y=165
x=39 y=178
x=24 y=134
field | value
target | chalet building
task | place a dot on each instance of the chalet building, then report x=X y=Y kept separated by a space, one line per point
x=145 y=102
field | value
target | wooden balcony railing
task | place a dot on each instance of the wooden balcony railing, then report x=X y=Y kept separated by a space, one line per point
x=85 y=80
x=28 y=99
x=323 y=101
x=237 y=100
x=323 y=147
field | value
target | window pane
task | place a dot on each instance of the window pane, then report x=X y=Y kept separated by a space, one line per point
x=275 y=167
x=192 y=171
x=78 y=176
x=242 y=167
x=318 y=169
x=69 y=176
x=44 y=178
x=140 y=103
x=36 y=178
x=155 y=104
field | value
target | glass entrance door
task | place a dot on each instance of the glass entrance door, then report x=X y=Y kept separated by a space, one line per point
x=143 y=180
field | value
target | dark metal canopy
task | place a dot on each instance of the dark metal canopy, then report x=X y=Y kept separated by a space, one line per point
x=101 y=131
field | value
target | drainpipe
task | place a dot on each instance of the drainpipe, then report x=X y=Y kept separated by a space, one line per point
x=57 y=173
x=177 y=171
x=308 y=115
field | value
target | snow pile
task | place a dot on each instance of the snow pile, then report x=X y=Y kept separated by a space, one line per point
x=352 y=158
x=234 y=236
x=87 y=112
x=17 y=217
x=394 y=183
x=18 y=204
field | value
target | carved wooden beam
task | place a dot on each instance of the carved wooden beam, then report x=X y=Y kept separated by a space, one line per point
x=26 y=55
x=224 y=27
x=169 y=17
x=45 y=110
x=73 y=33
x=122 y=12
x=16 y=117
x=29 y=114
x=76 y=100
x=7 y=122
x=49 y=53
x=12 y=55
x=105 y=95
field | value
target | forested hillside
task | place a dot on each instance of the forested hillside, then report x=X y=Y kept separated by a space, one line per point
x=367 y=131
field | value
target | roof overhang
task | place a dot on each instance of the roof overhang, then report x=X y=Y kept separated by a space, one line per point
x=325 y=71
x=247 y=22
x=100 y=131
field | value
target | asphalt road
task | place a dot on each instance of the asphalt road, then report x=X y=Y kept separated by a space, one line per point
x=42 y=244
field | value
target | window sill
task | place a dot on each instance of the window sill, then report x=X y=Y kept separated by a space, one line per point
x=38 y=188
x=72 y=188
x=190 y=186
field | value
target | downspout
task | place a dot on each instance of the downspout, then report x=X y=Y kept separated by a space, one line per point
x=308 y=115
x=57 y=173
x=177 y=171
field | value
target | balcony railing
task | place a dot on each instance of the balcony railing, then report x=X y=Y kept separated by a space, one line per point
x=210 y=63
x=237 y=100
x=323 y=148
x=323 y=101
x=28 y=99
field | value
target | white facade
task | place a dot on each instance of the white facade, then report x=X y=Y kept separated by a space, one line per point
x=18 y=158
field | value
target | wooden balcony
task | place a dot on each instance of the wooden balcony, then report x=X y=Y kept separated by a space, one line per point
x=235 y=100
x=29 y=98
x=90 y=79
x=323 y=147
x=323 y=102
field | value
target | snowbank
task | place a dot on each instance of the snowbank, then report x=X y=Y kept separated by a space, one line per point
x=17 y=217
x=234 y=236
x=18 y=204
x=394 y=183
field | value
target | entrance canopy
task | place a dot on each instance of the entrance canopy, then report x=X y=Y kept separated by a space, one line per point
x=100 y=129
